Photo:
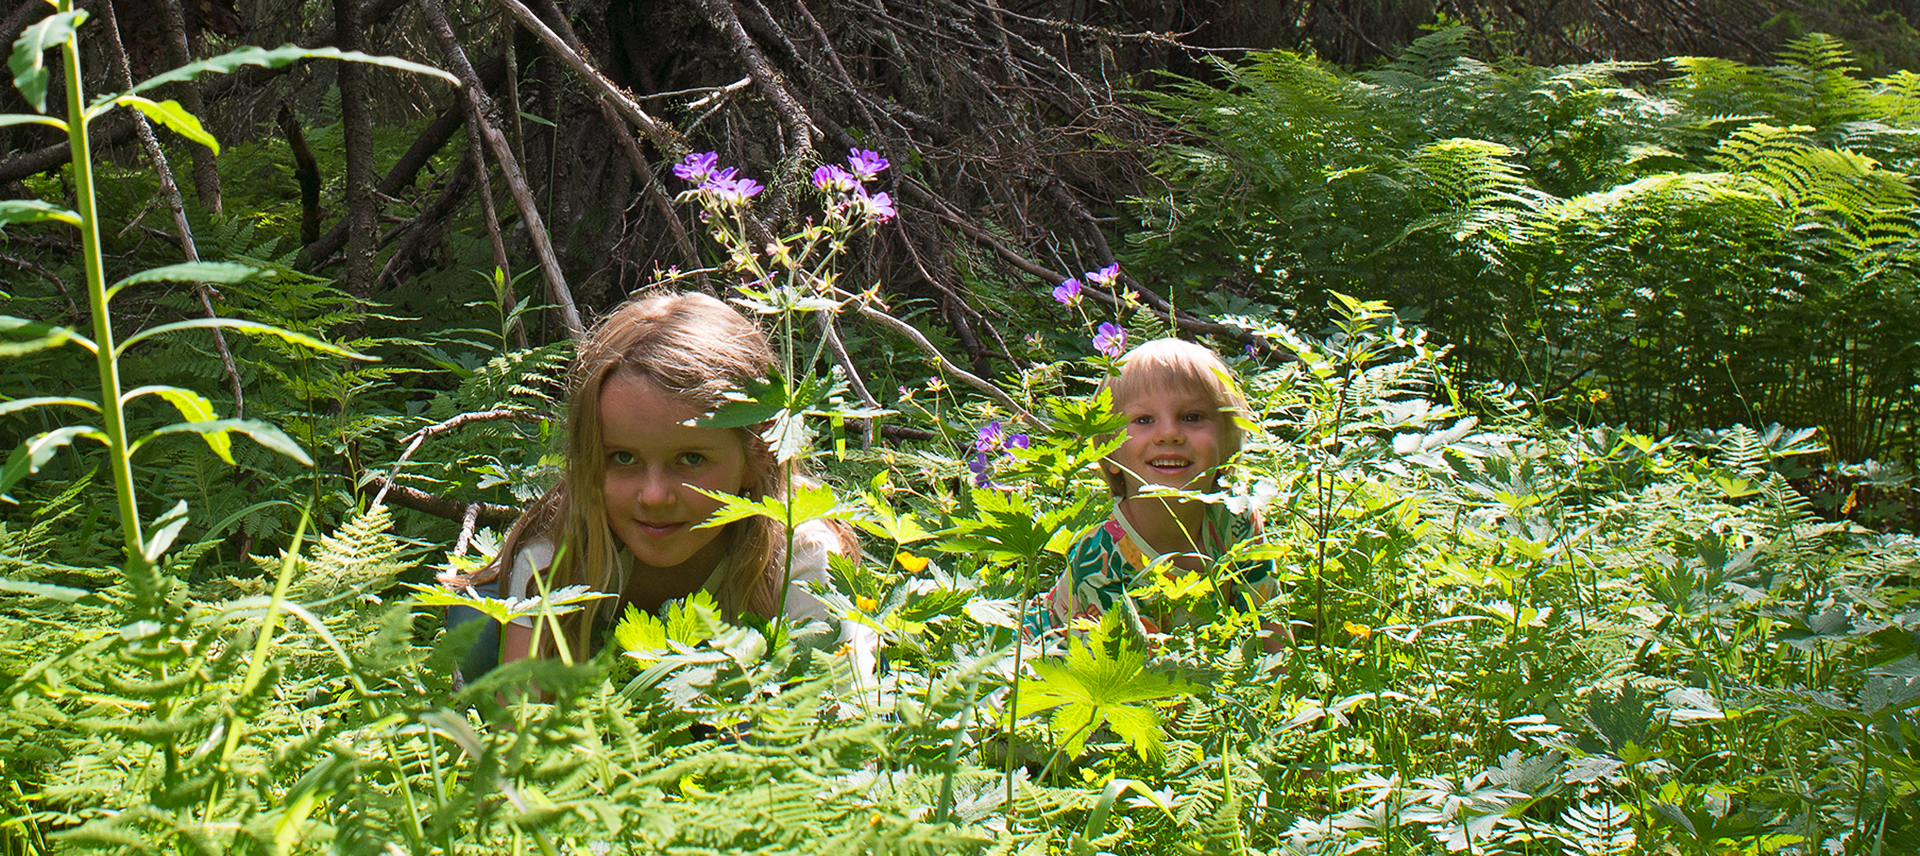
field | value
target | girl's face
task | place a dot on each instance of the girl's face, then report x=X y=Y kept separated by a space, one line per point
x=1175 y=438
x=653 y=463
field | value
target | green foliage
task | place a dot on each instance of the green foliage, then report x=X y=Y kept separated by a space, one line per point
x=1506 y=635
x=1729 y=244
x=1102 y=681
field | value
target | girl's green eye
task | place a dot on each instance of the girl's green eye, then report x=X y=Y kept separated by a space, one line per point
x=692 y=459
x=621 y=458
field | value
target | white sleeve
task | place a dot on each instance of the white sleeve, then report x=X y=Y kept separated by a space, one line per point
x=533 y=554
x=813 y=543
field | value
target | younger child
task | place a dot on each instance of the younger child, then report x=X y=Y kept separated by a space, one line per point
x=626 y=509
x=1180 y=406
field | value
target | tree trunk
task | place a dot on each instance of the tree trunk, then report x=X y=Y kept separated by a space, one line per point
x=357 y=135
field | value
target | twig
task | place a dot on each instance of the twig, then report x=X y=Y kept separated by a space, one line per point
x=509 y=165
x=945 y=365
x=414 y=440
x=799 y=125
x=440 y=506
x=170 y=190
x=845 y=360
x=662 y=135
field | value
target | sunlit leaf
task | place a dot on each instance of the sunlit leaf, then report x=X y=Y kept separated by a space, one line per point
x=252 y=328
x=174 y=116
x=30 y=73
x=61 y=593
x=45 y=336
x=20 y=404
x=264 y=434
x=8 y=119
x=193 y=407
x=216 y=272
x=275 y=58
x=30 y=456
x=34 y=211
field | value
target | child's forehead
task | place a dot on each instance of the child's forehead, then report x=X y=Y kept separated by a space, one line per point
x=1164 y=382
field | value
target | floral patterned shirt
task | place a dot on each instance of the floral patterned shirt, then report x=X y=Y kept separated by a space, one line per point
x=1111 y=559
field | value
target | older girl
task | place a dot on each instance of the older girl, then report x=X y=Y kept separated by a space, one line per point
x=624 y=518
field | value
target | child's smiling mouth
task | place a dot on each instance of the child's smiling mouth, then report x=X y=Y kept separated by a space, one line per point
x=1165 y=463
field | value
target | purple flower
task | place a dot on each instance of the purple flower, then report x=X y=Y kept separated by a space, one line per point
x=1067 y=292
x=1105 y=275
x=831 y=177
x=1018 y=441
x=697 y=166
x=879 y=206
x=1110 y=340
x=865 y=163
x=982 y=474
x=732 y=191
x=989 y=437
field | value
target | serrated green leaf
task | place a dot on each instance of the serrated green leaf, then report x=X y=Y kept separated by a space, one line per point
x=279 y=57
x=194 y=408
x=8 y=119
x=219 y=272
x=29 y=456
x=251 y=328
x=30 y=74
x=20 y=404
x=174 y=116
x=34 y=211
x=559 y=602
x=1104 y=678
x=264 y=434
x=807 y=502
x=46 y=336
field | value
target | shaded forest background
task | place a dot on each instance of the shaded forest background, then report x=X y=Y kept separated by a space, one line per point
x=1034 y=141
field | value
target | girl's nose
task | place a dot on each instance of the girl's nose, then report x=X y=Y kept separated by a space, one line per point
x=657 y=489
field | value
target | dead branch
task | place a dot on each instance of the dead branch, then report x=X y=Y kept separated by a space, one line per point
x=440 y=506
x=170 y=191
x=509 y=165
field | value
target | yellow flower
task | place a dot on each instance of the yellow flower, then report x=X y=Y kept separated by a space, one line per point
x=914 y=564
x=1360 y=631
x=866 y=604
x=1596 y=395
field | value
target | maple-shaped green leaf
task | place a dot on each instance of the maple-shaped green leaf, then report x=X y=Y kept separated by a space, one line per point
x=1006 y=528
x=689 y=621
x=807 y=502
x=560 y=601
x=1105 y=678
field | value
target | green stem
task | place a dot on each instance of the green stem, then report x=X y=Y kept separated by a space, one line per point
x=111 y=408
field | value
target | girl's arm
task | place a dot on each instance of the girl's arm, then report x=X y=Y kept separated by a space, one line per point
x=516 y=642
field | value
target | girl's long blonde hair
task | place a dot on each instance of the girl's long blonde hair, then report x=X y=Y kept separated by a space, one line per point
x=696 y=349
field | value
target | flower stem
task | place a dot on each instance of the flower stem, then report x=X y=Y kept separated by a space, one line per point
x=105 y=354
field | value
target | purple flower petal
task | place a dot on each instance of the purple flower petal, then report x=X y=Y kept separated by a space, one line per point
x=697 y=166
x=1018 y=441
x=729 y=190
x=1067 y=292
x=865 y=163
x=988 y=438
x=879 y=206
x=1110 y=340
x=1105 y=275
x=831 y=177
